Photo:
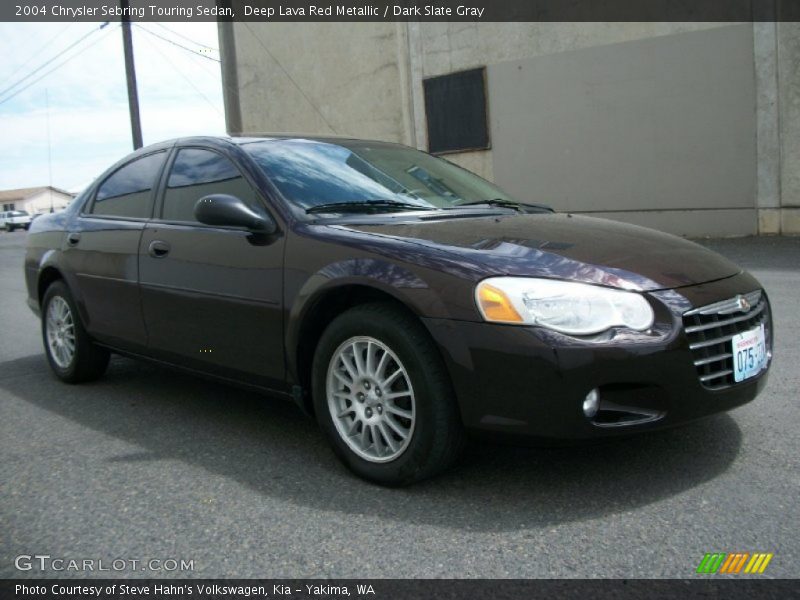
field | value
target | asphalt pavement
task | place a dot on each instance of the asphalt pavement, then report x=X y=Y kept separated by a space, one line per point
x=148 y=463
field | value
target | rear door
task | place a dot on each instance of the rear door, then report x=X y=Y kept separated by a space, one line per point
x=101 y=252
x=211 y=296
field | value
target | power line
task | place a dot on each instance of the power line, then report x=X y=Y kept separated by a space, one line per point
x=161 y=37
x=39 y=51
x=180 y=35
x=285 y=72
x=203 y=66
x=216 y=75
x=48 y=62
x=189 y=81
x=58 y=66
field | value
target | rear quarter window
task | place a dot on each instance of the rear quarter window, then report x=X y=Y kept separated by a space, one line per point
x=127 y=192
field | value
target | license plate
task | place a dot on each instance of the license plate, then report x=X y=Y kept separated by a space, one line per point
x=749 y=353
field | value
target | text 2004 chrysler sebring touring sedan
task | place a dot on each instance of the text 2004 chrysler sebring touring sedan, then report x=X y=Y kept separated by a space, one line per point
x=401 y=299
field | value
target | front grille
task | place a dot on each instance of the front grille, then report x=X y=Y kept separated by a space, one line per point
x=710 y=329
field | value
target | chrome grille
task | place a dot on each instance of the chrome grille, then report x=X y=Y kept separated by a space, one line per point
x=710 y=329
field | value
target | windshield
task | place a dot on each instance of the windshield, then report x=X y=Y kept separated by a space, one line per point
x=312 y=174
x=18 y=213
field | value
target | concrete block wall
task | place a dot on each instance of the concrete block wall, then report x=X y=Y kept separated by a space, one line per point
x=715 y=149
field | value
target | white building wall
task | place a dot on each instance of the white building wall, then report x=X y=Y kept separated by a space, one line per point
x=365 y=80
x=41 y=203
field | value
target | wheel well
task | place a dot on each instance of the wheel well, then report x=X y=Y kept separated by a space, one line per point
x=325 y=309
x=47 y=277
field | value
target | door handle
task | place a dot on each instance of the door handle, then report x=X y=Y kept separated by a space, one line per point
x=73 y=238
x=158 y=249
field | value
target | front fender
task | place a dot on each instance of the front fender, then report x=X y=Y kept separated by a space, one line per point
x=391 y=279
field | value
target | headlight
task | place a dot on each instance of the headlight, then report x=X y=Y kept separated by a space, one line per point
x=565 y=306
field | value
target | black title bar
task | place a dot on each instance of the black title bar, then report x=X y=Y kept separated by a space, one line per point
x=261 y=11
x=705 y=587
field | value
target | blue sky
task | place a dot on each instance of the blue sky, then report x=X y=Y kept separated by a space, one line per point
x=180 y=93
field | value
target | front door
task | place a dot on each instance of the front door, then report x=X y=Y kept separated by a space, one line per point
x=211 y=296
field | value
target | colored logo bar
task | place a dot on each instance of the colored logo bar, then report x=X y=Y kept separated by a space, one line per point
x=736 y=562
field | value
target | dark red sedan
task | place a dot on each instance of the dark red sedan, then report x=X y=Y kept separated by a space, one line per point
x=400 y=299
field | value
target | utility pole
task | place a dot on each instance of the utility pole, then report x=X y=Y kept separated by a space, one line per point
x=130 y=75
x=49 y=151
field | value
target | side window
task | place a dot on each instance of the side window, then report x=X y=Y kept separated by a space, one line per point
x=197 y=173
x=126 y=193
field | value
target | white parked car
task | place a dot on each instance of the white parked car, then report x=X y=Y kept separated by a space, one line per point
x=15 y=219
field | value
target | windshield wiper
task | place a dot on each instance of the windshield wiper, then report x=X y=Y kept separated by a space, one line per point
x=520 y=206
x=364 y=206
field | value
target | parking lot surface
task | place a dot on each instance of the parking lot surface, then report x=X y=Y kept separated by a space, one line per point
x=148 y=463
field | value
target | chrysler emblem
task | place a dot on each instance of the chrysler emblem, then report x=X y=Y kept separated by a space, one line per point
x=743 y=304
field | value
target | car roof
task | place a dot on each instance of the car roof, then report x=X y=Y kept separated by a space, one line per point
x=249 y=138
x=240 y=139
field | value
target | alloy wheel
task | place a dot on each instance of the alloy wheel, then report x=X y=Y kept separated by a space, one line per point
x=371 y=399
x=60 y=329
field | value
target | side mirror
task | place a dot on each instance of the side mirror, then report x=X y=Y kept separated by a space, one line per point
x=230 y=211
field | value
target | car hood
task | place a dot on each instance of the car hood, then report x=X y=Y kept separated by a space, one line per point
x=562 y=246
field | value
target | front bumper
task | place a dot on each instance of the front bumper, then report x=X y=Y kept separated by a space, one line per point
x=526 y=381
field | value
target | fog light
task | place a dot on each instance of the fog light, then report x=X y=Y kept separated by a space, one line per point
x=591 y=403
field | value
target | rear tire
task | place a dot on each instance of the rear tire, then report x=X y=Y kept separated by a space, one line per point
x=383 y=397
x=69 y=349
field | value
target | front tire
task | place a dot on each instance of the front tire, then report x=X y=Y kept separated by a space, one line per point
x=383 y=397
x=69 y=349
